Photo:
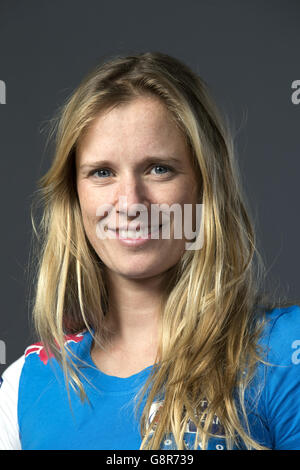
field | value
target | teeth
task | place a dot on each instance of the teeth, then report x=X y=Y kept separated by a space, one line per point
x=136 y=234
x=130 y=234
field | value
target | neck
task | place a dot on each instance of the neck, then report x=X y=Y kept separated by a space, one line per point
x=134 y=310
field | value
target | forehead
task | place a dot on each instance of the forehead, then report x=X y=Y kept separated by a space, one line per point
x=141 y=126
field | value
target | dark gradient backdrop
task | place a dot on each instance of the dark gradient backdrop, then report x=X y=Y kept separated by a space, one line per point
x=247 y=51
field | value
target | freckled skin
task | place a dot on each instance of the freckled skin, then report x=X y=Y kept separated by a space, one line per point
x=125 y=136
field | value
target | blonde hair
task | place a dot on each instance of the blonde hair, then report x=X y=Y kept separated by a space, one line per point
x=212 y=312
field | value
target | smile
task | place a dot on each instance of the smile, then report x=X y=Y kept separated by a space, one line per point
x=134 y=237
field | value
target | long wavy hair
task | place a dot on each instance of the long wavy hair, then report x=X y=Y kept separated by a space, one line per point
x=213 y=309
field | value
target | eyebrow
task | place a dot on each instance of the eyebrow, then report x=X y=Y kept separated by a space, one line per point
x=150 y=159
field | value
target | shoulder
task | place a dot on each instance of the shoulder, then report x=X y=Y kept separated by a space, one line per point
x=12 y=372
x=41 y=368
x=281 y=377
x=9 y=381
x=9 y=393
x=21 y=383
x=25 y=381
x=281 y=335
x=37 y=352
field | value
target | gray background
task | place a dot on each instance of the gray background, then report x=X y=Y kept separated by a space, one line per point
x=248 y=53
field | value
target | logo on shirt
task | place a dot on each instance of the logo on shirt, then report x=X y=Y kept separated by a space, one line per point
x=1 y=381
x=191 y=429
x=39 y=349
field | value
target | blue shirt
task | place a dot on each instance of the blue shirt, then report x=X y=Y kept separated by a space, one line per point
x=47 y=421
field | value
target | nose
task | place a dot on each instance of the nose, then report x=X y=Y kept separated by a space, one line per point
x=131 y=197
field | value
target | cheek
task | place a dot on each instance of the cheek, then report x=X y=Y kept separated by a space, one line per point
x=180 y=193
x=88 y=206
x=186 y=197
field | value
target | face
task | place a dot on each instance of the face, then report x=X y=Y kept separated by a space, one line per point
x=134 y=151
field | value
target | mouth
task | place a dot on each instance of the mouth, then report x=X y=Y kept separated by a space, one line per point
x=139 y=232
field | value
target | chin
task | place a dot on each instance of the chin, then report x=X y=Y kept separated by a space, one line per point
x=139 y=270
x=140 y=273
x=140 y=265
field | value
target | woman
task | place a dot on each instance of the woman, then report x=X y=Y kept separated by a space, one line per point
x=149 y=340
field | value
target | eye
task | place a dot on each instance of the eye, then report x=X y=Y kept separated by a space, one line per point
x=100 y=171
x=165 y=167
